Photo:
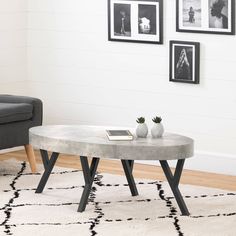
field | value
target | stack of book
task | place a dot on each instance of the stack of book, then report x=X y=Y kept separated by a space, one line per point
x=119 y=135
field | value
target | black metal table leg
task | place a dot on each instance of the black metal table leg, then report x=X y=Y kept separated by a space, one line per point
x=45 y=159
x=89 y=173
x=173 y=181
x=131 y=163
x=48 y=166
x=128 y=168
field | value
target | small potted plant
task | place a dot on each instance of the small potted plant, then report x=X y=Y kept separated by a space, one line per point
x=157 y=129
x=141 y=129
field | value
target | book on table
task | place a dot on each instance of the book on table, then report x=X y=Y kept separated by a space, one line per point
x=119 y=135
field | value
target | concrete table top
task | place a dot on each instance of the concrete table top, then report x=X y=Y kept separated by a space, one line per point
x=92 y=141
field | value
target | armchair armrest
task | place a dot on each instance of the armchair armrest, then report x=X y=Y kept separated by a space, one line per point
x=35 y=102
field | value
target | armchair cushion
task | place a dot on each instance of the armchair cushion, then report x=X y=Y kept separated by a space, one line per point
x=16 y=133
x=12 y=112
x=35 y=102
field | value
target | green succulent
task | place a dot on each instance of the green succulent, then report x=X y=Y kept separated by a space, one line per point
x=157 y=119
x=140 y=120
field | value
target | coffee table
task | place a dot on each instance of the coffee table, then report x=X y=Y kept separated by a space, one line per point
x=91 y=141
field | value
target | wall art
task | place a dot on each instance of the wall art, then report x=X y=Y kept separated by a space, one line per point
x=135 y=21
x=184 y=61
x=206 y=16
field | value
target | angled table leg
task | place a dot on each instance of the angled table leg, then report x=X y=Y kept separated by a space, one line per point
x=174 y=183
x=48 y=166
x=128 y=168
x=131 y=163
x=89 y=173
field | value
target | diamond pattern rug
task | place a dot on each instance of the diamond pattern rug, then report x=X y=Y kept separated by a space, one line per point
x=111 y=209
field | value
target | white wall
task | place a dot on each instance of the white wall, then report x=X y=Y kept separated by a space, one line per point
x=85 y=79
x=13 y=42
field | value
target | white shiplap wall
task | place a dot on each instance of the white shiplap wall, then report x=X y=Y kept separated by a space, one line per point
x=85 y=79
x=13 y=42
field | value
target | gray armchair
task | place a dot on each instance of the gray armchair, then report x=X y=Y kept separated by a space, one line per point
x=17 y=115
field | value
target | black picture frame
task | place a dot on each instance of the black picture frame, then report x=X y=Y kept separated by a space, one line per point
x=184 y=62
x=137 y=21
x=201 y=18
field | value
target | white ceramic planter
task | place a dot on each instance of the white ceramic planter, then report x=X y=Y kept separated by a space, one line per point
x=142 y=130
x=157 y=130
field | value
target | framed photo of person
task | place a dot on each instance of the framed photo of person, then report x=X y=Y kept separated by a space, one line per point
x=206 y=16
x=184 y=62
x=138 y=21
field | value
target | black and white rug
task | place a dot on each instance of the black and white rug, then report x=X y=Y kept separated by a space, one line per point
x=111 y=209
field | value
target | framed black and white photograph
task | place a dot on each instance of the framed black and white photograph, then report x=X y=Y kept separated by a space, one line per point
x=135 y=21
x=206 y=16
x=184 y=62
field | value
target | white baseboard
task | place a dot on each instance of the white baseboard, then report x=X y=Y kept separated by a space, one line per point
x=11 y=150
x=207 y=162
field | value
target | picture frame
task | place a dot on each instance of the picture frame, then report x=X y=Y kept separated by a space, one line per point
x=206 y=16
x=184 y=62
x=138 y=21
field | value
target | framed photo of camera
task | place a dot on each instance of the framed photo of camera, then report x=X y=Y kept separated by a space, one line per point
x=138 y=21
x=206 y=16
x=184 y=62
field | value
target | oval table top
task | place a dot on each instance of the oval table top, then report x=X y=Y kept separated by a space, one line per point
x=92 y=141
